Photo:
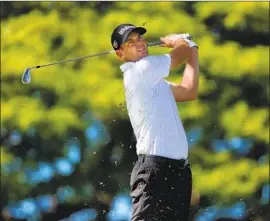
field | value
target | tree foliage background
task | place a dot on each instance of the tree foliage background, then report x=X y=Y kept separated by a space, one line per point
x=70 y=125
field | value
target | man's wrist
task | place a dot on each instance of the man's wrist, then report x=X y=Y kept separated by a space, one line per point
x=182 y=42
x=191 y=44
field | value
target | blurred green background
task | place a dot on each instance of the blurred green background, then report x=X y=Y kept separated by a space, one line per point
x=67 y=146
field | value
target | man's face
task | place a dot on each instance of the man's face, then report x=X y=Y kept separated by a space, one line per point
x=134 y=48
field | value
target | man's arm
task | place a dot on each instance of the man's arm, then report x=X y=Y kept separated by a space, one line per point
x=188 y=88
x=180 y=53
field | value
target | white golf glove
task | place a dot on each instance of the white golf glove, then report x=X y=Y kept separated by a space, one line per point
x=175 y=37
x=185 y=36
x=191 y=43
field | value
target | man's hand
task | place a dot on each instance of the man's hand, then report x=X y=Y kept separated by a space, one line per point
x=171 y=40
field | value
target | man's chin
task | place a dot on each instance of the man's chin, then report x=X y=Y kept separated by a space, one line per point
x=143 y=54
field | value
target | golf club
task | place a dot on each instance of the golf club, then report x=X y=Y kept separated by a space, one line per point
x=26 y=77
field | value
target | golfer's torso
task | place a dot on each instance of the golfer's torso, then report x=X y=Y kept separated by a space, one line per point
x=154 y=117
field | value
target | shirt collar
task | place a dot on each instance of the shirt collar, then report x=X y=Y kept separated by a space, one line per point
x=126 y=66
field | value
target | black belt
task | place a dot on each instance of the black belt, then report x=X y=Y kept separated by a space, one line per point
x=182 y=163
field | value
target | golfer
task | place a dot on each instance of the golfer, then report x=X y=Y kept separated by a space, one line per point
x=161 y=180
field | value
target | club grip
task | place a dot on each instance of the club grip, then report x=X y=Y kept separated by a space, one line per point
x=155 y=43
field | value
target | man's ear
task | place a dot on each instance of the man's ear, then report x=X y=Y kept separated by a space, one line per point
x=119 y=53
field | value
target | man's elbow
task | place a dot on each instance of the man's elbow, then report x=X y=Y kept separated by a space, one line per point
x=192 y=96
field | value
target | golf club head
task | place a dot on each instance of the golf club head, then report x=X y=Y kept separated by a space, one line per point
x=26 y=77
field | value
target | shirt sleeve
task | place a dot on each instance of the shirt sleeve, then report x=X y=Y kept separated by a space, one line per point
x=155 y=68
x=169 y=83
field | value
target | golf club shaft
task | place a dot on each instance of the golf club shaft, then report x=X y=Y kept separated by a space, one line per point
x=72 y=59
x=87 y=56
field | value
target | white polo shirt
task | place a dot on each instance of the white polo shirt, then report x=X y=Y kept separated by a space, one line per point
x=152 y=108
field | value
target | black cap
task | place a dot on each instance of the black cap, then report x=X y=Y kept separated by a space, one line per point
x=121 y=33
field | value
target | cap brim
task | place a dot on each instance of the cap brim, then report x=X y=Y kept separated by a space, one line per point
x=139 y=30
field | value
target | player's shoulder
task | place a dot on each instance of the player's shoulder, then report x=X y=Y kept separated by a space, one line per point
x=149 y=62
x=153 y=58
x=149 y=58
x=153 y=61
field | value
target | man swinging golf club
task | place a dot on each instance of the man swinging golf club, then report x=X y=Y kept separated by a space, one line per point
x=161 y=180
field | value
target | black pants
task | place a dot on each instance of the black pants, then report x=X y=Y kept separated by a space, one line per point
x=160 y=189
